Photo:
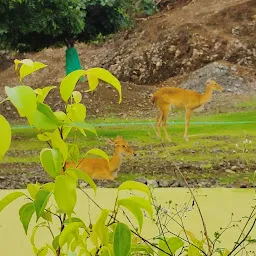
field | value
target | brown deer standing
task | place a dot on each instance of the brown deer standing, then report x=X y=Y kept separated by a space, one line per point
x=167 y=97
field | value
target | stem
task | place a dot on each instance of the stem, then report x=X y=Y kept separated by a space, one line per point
x=161 y=229
x=3 y=100
x=49 y=227
x=135 y=233
x=210 y=251
x=249 y=218
x=61 y=229
x=253 y=224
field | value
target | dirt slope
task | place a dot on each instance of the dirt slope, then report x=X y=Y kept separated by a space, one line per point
x=164 y=49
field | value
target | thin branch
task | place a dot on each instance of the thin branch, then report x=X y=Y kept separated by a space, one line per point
x=161 y=228
x=61 y=229
x=249 y=218
x=247 y=234
x=198 y=207
x=135 y=233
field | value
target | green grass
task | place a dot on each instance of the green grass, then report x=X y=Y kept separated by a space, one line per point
x=205 y=139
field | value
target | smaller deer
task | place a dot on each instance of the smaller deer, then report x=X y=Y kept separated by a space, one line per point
x=98 y=168
x=166 y=97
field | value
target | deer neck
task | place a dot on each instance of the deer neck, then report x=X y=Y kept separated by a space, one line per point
x=115 y=161
x=207 y=95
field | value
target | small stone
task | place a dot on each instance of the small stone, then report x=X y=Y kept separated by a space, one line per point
x=164 y=184
x=142 y=180
x=229 y=171
x=152 y=183
x=2 y=178
x=234 y=167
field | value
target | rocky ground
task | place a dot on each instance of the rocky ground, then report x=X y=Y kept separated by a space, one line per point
x=183 y=46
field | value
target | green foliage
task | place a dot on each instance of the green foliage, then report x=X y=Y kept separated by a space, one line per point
x=10 y=198
x=26 y=212
x=122 y=240
x=5 y=139
x=65 y=193
x=57 y=22
x=51 y=161
x=106 y=236
x=170 y=245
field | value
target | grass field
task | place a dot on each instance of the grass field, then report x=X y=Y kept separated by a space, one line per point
x=217 y=143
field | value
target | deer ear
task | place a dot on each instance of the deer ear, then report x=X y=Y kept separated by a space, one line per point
x=110 y=142
x=118 y=137
x=208 y=81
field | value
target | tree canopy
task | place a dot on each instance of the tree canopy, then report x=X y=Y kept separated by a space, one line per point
x=29 y=25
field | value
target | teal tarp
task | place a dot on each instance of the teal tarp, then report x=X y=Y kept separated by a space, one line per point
x=72 y=61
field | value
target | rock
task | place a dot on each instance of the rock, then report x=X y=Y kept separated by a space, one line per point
x=83 y=184
x=229 y=171
x=2 y=178
x=243 y=186
x=177 y=53
x=152 y=183
x=178 y=184
x=234 y=167
x=164 y=184
x=142 y=180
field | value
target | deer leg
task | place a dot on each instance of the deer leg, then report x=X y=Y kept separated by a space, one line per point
x=187 y=119
x=158 y=123
x=164 y=120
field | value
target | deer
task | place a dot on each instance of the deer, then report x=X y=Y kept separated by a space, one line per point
x=167 y=97
x=99 y=168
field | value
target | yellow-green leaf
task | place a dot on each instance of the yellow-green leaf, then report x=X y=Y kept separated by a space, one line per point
x=28 y=67
x=65 y=193
x=9 y=198
x=98 y=152
x=58 y=142
x=5 y=138
x=77 y=96
x=24 y=100
x=51 y=160
x=76 y=112
x=42 y=93
x=40 y=202
x=83 y=176
x=100 y=227
x=69 y=229
x=82 y=126
x=26 y=212
x=139 y=202
x=122 y=240
x=68 y=84
x=33 y=189
x=134 y=185
x=62 y=116
x=105 y=76
x=134 y=208
x=173 y=244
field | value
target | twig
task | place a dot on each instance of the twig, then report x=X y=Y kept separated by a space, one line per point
x=198 y=207
x=135 y=233
x=247 y=234
x=161 y=228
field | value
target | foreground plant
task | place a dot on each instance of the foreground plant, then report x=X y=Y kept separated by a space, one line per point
x=55 y=202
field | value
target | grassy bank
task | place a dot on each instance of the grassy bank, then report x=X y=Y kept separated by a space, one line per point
x=217 y=143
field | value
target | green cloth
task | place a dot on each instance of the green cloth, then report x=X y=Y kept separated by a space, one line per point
x=72 y=61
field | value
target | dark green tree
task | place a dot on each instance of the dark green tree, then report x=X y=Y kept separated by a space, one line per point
x=31 y=25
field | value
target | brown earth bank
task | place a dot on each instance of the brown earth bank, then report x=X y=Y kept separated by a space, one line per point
x=185 y=44
x=165 y=174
